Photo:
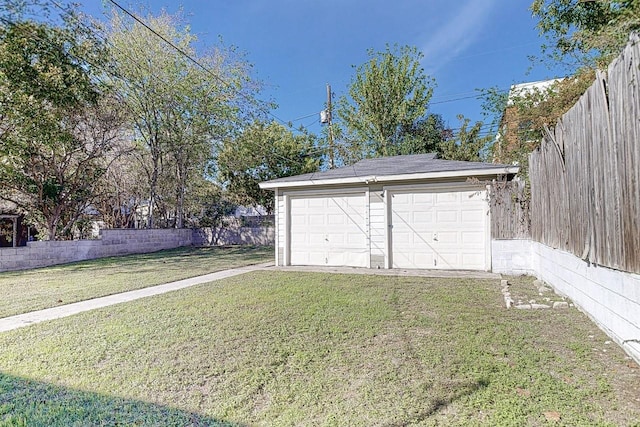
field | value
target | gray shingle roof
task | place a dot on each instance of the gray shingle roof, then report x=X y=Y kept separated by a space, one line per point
x=395 y=165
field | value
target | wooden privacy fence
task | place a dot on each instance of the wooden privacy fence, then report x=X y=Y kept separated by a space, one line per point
x=509 y=210
x=585 y=177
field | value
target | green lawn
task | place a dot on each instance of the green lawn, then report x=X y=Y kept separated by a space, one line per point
x=25 y=291
x=286 y=348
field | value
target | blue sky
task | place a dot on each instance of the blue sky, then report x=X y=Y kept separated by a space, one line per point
x=298 y=46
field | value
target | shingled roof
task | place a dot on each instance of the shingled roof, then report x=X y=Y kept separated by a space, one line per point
x=394 y=168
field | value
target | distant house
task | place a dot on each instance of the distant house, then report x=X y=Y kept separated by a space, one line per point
x=13 y=231
x=511 y=124
x=414 y=212
x=253 y=216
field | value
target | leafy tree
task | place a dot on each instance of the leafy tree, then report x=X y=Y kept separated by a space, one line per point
x=468 y=144
x=211 y=206
x=580 y=34
x=178 y=109
x=384 y=112
x=261 y=153
x=56 y=124
x=424 y=135
x=583 y=33
x=122 y=189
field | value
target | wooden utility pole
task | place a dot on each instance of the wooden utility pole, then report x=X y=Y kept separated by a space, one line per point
x=330 y=131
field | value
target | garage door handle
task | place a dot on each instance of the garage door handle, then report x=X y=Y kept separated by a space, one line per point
x=435 y=237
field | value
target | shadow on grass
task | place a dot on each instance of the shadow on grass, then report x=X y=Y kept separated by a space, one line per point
x=457 y=391
x=26 y=402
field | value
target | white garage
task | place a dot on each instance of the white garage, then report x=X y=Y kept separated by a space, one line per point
x=408 y=212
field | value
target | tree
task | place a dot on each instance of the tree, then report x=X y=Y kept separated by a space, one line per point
x=424 y=135
x=211 y=207
x=468 y=144
x=178 y=109
x=261 y=153
x=585 y=32
x=122 y=189
x=388 y=99
x=521 y=115
x=56 y=124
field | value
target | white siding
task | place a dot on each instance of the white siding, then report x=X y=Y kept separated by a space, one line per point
x=281 y=214
x=377 y=223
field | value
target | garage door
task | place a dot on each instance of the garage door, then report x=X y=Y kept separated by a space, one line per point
x=329 y=230
x=442 y=230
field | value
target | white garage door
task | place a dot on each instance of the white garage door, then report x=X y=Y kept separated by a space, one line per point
x=442 y=230
x=329 y=230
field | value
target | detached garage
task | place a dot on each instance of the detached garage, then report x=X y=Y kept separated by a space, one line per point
x=410 y=212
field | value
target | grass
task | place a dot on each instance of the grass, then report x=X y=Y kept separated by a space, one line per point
x=24 y=291
x=283 y=348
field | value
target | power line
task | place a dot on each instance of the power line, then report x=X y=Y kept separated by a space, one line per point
x=189 y=57
x=308 y=115
x=466 y=97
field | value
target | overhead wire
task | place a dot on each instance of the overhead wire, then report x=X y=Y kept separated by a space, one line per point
x=230 y=86
x=162 y=79
x=196 y=62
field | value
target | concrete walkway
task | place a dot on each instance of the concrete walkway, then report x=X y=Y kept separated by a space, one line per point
x=470 y=274
x=26 y=319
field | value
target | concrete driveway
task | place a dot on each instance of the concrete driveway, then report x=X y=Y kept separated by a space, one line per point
x=471 y=274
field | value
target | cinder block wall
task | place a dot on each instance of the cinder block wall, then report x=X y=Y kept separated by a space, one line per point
x=259 y=236
x=112 y=242
x=610 y=297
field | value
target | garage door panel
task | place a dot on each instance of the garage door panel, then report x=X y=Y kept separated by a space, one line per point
x=315 y=258
x=422 y=198
x=448 y=260
x=448 y=233
x=452 y=216
x=472 y=237
x=418 y=219
x=314 y=202
x=446 y=198
x=336 y=240
x=473 y=216
x=357 y=240
x=336 y=219
x=472 y=259
x=402 y=199
x=329 y=230
x=449 y=238
x=316 y=239
x=300 y=220
x=316 y=220
x=400 y=238
x=421 y=241
x=306 y=258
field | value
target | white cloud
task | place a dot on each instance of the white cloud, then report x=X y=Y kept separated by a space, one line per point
x=455 y=36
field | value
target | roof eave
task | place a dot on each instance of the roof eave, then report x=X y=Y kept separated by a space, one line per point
x=272 y=185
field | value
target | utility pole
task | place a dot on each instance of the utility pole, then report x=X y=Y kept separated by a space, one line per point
x=327 y=119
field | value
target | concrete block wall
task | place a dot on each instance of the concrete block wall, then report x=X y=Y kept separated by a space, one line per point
x=259 y=236
x=513 y=257
x=610 y=297
x=112 y=242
